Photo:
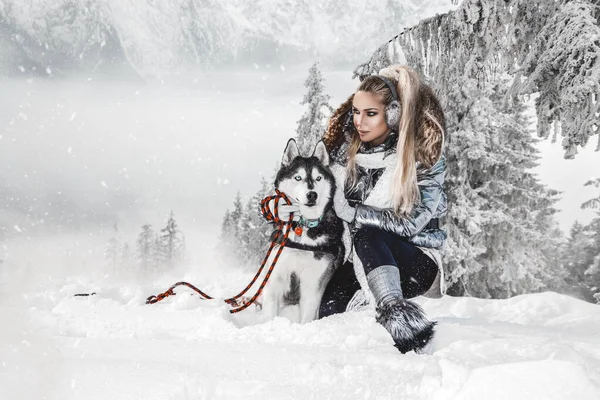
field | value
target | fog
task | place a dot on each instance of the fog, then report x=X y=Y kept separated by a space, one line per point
x=81 y=154
x=117 y=113
x=78 y=155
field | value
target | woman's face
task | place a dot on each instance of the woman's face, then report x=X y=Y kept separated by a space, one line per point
x=369 y=118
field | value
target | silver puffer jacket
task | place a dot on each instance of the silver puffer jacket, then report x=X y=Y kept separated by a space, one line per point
x=422 y=226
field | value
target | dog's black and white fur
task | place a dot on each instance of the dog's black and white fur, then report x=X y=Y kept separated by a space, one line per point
x=309 y=259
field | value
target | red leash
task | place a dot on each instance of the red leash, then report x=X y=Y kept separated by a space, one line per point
x=234 y=301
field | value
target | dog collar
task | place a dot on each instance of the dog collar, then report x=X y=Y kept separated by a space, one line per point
x=309 y=223
x=306 y=223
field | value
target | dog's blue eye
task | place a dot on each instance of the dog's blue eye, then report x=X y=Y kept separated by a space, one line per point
x=319 y=178
x=298 y=178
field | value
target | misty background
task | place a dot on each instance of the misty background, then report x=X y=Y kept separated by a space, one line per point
x=110 y=114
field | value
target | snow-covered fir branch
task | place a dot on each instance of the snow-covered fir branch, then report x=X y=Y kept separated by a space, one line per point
x=551 y=48
x=593 y=202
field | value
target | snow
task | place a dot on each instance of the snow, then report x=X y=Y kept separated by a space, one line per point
x=112 y=345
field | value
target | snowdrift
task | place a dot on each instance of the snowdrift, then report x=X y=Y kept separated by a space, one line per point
x=112 y=345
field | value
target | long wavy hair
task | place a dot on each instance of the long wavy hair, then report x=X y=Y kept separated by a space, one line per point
x=421 y=132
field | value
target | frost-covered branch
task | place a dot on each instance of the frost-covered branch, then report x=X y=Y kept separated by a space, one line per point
x=549 y=47
x=593 y=182
x=595 y=202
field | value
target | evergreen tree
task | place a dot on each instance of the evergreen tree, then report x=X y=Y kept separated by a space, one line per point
x=245 y=234
x=158 y=254
x=236 y=218
x=228 y=239
x=113 y=248
x=146 y=242
x=547 y=47
x=238 y=211
x=258 y=230
x=501 y=225
x=576 y=254
x=125 y=255
x=312 y=125
x=171 y=242
x=592 y=272
x=245 y=231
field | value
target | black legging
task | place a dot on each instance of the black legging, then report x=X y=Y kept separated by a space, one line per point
x=375 y=248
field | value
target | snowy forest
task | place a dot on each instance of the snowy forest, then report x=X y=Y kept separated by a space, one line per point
x=153 y=250
x=138 y=137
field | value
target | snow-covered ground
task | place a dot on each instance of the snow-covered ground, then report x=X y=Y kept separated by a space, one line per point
x=113 y=346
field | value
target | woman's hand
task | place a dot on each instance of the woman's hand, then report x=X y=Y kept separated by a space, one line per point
x=284 y=210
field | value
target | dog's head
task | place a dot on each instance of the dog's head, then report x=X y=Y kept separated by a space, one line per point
x=307 y=180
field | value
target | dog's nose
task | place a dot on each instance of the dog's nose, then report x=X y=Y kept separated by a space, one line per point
x=311 y=196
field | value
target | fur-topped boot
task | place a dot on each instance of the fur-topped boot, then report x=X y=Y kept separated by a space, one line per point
x=403 y=319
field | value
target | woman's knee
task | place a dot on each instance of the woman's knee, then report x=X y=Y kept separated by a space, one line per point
x=365 y=238
x=371 y=248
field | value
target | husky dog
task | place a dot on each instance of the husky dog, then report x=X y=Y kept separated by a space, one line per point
x=314 y=248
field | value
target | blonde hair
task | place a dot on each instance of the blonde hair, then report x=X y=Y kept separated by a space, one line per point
x=421 y=132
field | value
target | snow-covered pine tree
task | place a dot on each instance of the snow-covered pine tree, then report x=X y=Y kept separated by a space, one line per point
x=549 y=47
x=113 y=248
x=257 y=230
x=227 y=231
x=125 y=256
x=312 y=125
x=224 y=243
x=229 y=240
x=465 y=221
x=501 y=226
x=246 y=241
x=238 y=210
x=145 y=251
x=171 y=242
x=530 y=259
x=236 y=222
x=577 y=255
x=592 y=273
x=158 y=259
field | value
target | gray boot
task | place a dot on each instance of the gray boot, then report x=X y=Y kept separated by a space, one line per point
x=404 y=320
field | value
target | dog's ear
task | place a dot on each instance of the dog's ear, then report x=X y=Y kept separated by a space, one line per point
x=291 y=151
x=321 y=153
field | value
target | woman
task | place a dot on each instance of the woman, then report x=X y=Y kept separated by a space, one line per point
x=386 y=144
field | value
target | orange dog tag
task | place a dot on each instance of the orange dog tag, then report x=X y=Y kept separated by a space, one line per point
x=298 y=231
